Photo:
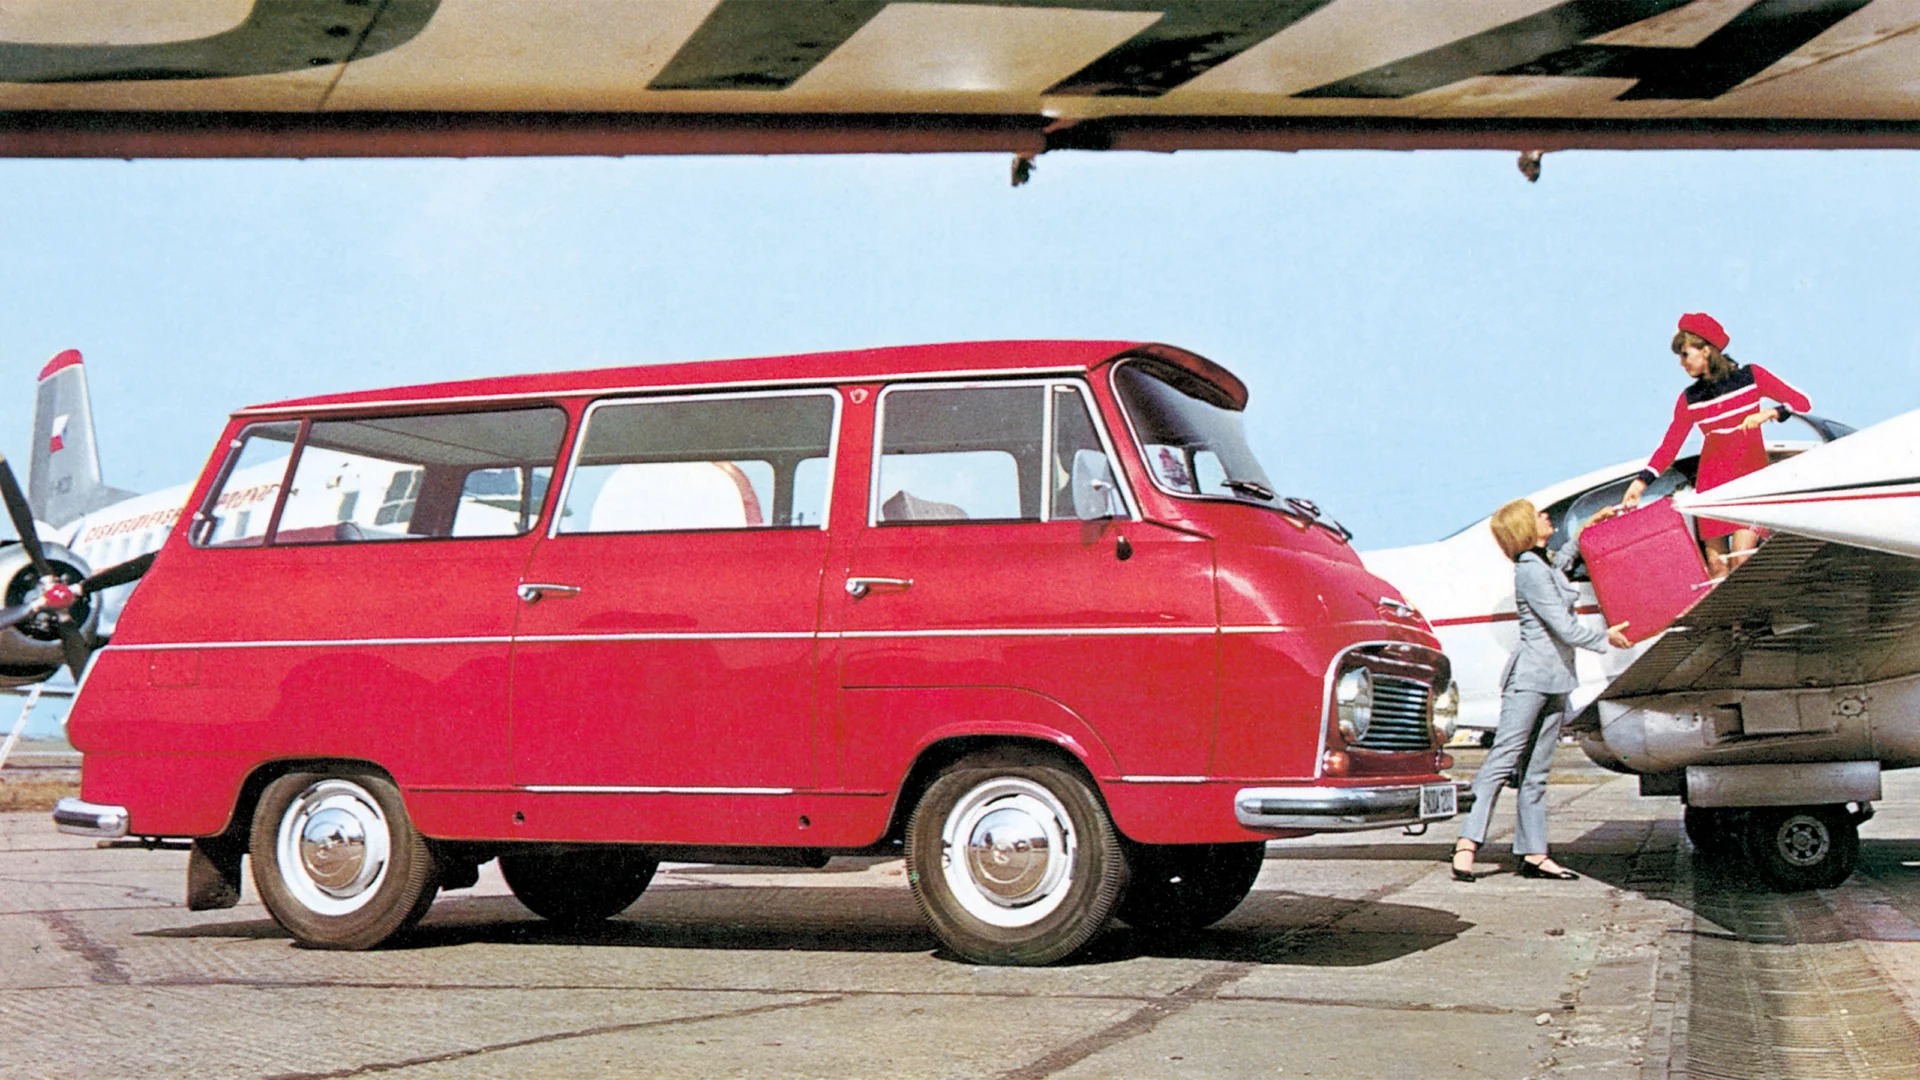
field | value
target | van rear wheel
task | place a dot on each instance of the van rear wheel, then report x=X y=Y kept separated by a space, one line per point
x=337 y=862
x=1013 y=860
x=578 y=888
x=1188 y=886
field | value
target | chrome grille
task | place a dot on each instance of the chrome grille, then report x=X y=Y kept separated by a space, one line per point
x=1400 y=711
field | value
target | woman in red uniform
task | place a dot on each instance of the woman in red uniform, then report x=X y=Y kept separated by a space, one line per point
x=1724 y=402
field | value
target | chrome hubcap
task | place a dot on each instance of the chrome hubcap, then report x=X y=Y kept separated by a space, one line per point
x=1008 y=849
x=1007 y=855
x=333 y=847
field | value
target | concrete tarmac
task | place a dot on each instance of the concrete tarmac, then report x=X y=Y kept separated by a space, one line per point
x=1356 y=956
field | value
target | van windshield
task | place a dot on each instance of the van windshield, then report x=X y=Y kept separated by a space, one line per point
x=1190 y=434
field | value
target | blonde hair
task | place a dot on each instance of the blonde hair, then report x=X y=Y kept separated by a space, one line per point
x=1514 y=528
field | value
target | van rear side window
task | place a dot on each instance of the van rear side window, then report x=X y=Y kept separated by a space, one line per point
x=749 y=461
x=390 y=478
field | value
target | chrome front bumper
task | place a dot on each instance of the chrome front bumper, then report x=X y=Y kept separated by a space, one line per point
x=1327 y=809
x=72 y=815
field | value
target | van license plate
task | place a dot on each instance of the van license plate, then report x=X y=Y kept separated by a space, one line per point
x=1439 y=801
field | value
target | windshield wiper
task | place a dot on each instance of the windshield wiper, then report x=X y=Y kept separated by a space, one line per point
x=1249 y=487
x=1308 y=511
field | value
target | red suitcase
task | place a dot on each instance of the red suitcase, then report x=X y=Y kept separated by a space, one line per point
x=1646 y=568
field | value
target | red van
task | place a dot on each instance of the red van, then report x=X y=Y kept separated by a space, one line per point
x=1029 y=612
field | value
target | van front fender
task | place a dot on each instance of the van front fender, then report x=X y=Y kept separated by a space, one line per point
x=883 y=731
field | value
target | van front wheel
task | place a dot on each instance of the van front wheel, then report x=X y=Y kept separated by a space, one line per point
x=1014 y=861
x=336 y=861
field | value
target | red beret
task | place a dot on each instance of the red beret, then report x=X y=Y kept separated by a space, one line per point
x=1706 y=328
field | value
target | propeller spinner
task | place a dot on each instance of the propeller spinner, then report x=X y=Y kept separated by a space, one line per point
x=57 y=595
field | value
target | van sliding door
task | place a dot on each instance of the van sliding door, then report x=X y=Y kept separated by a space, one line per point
x=664 y=655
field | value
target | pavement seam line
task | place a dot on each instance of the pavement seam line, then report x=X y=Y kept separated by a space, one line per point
x=103 y=959
x=555 y=1037
x=1206 y=988
x=1139 y=1022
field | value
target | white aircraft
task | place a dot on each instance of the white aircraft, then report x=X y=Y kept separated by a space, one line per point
x=1464 y=585
x=1774 y=703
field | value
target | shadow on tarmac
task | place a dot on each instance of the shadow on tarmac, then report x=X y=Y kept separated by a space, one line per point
x=1269 y=928
x=1729 y=896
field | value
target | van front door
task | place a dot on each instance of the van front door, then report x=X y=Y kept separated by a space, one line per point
x=667 y=630
x=979 y=599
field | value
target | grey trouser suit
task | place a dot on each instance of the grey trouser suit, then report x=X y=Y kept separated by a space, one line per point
x=1533 y=699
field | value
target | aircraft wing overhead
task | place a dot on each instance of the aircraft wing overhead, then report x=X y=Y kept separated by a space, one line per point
x=1801 y=613
x=278 y=78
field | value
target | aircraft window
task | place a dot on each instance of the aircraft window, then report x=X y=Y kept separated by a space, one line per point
x=954 y=453
x=737 y=462
x=237 y=510
x=1192 y=438
x=396 y=507
x=407 y=477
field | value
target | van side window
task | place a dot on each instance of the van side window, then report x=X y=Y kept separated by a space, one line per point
x=968 y=453
x=408 y=477
x=239 y=507
x=749 y=461
x=1073 y=431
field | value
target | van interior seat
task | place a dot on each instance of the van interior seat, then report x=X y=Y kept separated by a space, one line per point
x=904 y=507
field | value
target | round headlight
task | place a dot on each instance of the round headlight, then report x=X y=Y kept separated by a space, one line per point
x=1353 y=703
x=1446 y=712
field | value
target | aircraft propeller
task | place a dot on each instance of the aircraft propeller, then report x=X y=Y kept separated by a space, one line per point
x=57 y=595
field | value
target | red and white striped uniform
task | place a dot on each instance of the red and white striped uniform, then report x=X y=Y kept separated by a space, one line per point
x=1718 y=408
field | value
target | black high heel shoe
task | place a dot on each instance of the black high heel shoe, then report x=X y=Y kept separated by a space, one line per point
x=1530 y=869
x=1459 y=874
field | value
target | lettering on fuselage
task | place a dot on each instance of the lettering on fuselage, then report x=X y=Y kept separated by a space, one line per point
x=163 y=519
x=755 y=45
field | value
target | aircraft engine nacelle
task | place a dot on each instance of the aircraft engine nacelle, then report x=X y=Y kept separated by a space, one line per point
x=30 y=651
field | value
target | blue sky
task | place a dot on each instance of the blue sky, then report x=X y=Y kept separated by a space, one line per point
x=1425 y=334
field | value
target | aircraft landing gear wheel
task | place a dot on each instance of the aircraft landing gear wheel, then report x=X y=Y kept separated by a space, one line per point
x=1715 y=831
x=1802 y=847
x=1187 y=886
x=1013 y=860
x=578 y=888
x=1486 y=740
x=337 y=862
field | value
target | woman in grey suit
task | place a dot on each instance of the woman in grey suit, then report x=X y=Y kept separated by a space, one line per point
x=1533 y=690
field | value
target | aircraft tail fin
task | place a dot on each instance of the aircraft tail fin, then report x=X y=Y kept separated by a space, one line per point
x=63 y=473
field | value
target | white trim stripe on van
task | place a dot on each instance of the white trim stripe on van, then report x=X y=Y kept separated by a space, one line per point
x=741 y=635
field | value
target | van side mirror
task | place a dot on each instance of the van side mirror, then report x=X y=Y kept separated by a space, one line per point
x=1096 y=496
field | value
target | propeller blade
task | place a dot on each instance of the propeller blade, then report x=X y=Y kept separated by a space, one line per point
x=17 y=614
x=115 y=575
x=22 y=514
x=74 y=644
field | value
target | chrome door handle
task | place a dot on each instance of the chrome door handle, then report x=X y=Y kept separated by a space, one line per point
x=531 y=591
x=858 y=587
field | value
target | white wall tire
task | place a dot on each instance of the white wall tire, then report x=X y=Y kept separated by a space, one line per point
x=336 y=860
x=1014 y=860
